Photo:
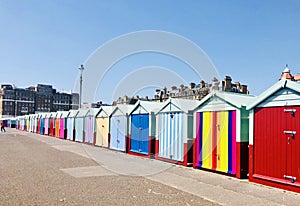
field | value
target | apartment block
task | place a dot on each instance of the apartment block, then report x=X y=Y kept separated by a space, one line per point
x=38 y=99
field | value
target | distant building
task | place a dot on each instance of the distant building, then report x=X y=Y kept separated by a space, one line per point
x=7 y=97
x=93 y=105
x=200 y=90
x=24 y=102
x=41 y=98
x=74 y=101
x=44 y=98
x=193 y=91
x=129 y=100
x=286 y=74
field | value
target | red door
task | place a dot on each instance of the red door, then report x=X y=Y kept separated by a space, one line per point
x=276 y=144
x=291 y=134
x=51 y=128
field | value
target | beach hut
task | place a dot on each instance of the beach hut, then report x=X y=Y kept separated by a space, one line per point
x=79 y=124
x=89 y=126
x=63 y=125
x=142 y=122
x=119 y=127
x=31 y=122
x=71 y=124
x=42 y=118
x=19 y=123
x=35 y=119
x=38 y=123
x=51 y=125
x=174 y=131
x=102 y=126
x=26 y=123
x=34 y=122
x=58 y=121
x=46 y=123
x=274 y=136
x=12 y=122
x=23 y=123
x=16 y=122
x=221 y=125
x=18 y=126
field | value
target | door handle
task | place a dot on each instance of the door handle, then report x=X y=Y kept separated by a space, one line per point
x=292 y=133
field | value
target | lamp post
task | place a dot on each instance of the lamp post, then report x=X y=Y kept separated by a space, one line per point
x=81 y=68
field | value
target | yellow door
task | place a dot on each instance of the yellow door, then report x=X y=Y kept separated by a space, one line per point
x=102 y=131
x=222 y=142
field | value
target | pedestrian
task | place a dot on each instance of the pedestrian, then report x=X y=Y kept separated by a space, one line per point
x=3 y=126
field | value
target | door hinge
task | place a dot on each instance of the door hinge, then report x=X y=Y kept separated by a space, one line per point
x=292 y=133
x=293 y=179
x=292 y=111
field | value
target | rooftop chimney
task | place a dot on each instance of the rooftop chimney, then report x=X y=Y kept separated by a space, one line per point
x=227 y=84
x=215 y=84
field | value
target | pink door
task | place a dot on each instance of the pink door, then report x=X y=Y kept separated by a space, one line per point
x=62 y=128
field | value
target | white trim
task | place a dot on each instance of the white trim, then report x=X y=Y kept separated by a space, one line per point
x=194 y=125
x=231 y=99
x=238 y=125
x=284 y=83
x=251 y=126
x=185 y=127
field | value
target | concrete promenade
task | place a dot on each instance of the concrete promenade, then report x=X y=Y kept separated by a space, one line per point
x=43 y=170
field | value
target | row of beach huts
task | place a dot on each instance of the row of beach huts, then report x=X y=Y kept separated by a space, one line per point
x=234 y=134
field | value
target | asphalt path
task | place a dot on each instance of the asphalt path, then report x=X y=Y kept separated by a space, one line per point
x=36 y=173
x=43 y=170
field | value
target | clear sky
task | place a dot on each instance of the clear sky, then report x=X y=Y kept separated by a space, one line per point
x=46 y=41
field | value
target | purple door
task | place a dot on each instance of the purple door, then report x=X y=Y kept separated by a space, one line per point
x=89 y=130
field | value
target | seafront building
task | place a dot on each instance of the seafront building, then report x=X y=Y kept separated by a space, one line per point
x=41 y=98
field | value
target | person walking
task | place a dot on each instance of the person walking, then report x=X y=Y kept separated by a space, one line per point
x=3 y=126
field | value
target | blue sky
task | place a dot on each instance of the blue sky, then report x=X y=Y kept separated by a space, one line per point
x=46 y=41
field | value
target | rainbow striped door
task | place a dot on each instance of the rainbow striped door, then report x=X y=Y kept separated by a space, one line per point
x=216 y=141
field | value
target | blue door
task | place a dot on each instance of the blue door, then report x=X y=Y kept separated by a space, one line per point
x=118 y=132
x=79 y=129
x=70 y=128
x=42 y=126
x=139 y=141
